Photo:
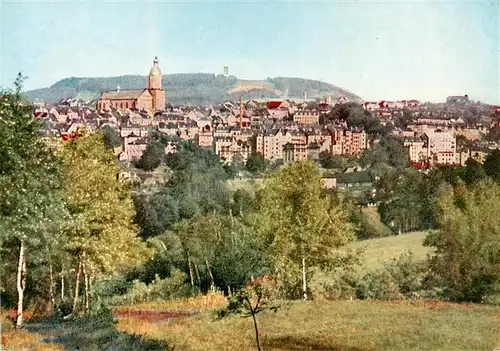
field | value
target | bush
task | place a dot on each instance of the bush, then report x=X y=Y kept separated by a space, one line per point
x=378 y=285
x=400 y=278
x=159 y=289
x=343 y=288
x=369 y=225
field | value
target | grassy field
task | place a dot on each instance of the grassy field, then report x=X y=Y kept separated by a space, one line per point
x=314 y=325
x=385 y=249
x=336 y=325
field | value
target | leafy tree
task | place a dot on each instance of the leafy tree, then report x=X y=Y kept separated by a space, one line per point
x=493 y=134
x=250 y=302
x=357 y=117
x=102 y=235
x=30 y=203
x=112 y=138
x=243 y=202
x=474 y=171
x=152 y=156
x=255 y=163
x=492 y=165
x=400 y=197
x=302 y=226
x=329 y=161
x=389 y=151
x=466 y=262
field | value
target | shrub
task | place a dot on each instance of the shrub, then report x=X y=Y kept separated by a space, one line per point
x=343 y=287
x=378 y=285
x=400 y=278
x=159 y=289
x=406 y=273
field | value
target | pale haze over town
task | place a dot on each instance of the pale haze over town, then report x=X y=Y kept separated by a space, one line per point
x=389 y=50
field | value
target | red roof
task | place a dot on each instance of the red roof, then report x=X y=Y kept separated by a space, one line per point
x=67 y=136
x=274 y=103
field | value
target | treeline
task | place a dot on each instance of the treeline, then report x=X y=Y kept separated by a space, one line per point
x=407 y=197
x=66 y=220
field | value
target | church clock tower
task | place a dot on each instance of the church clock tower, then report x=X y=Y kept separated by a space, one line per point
x=155 y=87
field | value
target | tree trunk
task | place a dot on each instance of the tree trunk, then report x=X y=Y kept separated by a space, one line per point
x=190 y=267
x=91 y=279
x=256 y=329
x=86 y=280
x=304 y=278
x=51 y=289
x=77 y=287
x=212 y=285
x=197 y=275
x=62 y=285
x=21 y=284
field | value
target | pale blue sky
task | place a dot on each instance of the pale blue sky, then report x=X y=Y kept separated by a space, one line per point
x=378 y=50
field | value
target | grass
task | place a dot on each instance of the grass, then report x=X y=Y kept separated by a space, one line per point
x=13 y=339
x=209 y=302
x=336 y=325
x=380 y=250
x=91 y=332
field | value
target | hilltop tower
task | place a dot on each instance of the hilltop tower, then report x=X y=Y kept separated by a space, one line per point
x=155 y=87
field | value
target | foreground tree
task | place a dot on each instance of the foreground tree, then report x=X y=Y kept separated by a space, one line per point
x=249 y=302
x=29 y=178
x=303 y=227
x=103 y=237
x=467 y=257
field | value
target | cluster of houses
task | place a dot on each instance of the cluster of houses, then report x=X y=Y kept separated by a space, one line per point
x=278 y=130
x=232 y=131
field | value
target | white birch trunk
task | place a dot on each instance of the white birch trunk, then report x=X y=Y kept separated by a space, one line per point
x=21 y=284
x=304 y=278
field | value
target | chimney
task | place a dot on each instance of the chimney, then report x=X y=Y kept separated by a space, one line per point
x=305 y=96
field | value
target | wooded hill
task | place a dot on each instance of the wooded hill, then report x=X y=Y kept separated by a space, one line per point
x=194 y=88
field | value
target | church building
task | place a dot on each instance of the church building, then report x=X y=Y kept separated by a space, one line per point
x=153 y=98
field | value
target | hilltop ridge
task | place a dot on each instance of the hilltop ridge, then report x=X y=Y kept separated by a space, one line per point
x=195 y=88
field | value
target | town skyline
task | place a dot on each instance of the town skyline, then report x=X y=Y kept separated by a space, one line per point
x=378 y=51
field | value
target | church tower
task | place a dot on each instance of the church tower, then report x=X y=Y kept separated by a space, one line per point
x=155 y=88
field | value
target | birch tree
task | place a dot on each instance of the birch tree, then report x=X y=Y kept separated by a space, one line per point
x=303 y=227
x=101 y=231
x=29 y=181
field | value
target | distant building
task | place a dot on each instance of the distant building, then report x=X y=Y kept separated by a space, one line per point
x=152 y=98
x=457 y=99
x=436 y=148
x=441 y=147
x=306 y=117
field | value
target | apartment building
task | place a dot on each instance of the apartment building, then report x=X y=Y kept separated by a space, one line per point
x=228 y=147
x=441 y=147
x=306 y=117
x=348 y=142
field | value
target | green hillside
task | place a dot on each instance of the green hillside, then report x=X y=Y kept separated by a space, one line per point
x=194 y=88
x=378 y=251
